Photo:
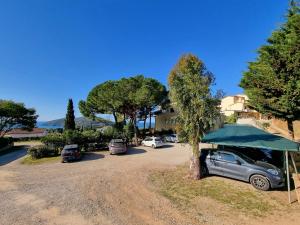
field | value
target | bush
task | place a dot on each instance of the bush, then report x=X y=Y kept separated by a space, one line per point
x=231 y=119
x=5 y=141
x=111 y=132
x=91 y=136
x=54 y=140
x=128 y=131
x=41 y=151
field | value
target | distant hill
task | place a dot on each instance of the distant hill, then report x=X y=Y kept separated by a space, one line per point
x=80 y=122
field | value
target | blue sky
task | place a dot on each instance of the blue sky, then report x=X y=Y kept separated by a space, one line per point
x=56 y=49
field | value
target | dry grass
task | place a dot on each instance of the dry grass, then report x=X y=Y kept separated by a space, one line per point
x=184 y=192
x=28 y=160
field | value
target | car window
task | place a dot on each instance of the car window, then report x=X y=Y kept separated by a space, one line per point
x=157 y=139
x=148 y=139
x=227 y=157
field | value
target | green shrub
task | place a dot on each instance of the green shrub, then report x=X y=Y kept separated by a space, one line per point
x=5 y=141
x=231 y=119
x=128 y=131
x=54 y=140
x=41 y=151
x=91 y=136
x=111 y=132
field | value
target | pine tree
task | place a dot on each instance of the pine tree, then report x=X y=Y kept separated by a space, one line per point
x=70 y=118
x=272 y=82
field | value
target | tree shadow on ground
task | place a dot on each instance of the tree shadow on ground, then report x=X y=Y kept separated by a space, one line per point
x=90 y=156
x=134 y=151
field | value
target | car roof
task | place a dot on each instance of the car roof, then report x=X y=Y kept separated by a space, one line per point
x=71 y=146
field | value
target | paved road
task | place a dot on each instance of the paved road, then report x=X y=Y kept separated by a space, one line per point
x=10 y=157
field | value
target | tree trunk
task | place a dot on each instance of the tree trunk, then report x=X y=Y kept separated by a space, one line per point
x=290 y=129
x=195 y=161
x=124 y=118
x=135 y=132
x=144 y=131
x=150 y=115
x=115 y=118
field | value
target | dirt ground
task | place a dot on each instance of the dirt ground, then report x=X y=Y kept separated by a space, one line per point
x=106 y=189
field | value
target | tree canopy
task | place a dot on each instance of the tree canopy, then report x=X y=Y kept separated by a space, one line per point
x=190 y=93
x=272 y=81
x=126 y=97
x=15 y=115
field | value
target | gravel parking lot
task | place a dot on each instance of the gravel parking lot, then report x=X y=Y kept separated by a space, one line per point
x=100 y=189
x=109 y=190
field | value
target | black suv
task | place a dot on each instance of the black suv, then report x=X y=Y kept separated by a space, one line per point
x=70 y=153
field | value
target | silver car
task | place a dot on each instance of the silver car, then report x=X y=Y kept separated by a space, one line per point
x=117 y=146
x=261 y=175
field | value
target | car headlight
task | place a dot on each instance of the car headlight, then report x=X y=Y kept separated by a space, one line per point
x=272 y=171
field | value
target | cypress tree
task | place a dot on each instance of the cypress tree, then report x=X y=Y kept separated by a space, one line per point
x=272 y=82
x=70 y=118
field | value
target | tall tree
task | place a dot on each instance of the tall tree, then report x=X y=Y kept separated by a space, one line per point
x=104 y=98
x=70 y=117
x=190 y=94
x=15 y=115
x=272 y=82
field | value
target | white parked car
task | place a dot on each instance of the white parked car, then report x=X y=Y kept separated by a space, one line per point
x=153 y=142
x=171 y=138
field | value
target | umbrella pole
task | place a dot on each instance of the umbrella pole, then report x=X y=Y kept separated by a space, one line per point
x=288 y=174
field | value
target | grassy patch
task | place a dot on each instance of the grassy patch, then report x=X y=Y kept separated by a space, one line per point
x=27 y=160
x=182 y=191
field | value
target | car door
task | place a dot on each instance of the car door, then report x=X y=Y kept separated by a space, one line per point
x=148 y=142
x=230 y=166
x=212 y=163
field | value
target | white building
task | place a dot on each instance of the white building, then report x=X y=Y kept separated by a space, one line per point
x=234 y=104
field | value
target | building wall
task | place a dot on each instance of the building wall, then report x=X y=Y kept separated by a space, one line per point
x=232 y=104
x=281 y=126
x=165 y=121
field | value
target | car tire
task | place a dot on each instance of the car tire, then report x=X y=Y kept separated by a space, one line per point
x=62 y=161
x=260 y=182
x=153 y=146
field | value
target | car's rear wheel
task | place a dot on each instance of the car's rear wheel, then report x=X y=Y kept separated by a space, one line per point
x=260 y=182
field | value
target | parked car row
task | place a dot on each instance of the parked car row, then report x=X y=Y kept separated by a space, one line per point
x=115 y=146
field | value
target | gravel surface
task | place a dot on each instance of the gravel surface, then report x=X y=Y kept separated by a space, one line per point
x=108 y=190
x=100 y=189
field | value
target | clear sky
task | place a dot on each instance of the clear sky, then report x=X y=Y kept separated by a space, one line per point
x=51 y=50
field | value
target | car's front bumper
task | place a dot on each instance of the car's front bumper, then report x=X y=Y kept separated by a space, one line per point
x=277 y=181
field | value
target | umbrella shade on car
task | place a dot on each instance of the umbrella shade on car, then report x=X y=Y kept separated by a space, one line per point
x=249 y=136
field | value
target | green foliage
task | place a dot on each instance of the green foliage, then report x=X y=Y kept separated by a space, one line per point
x=5 y=141
x=54 y=140
x=129 y=131
x=126 y=97
x=197 y=109
x=91 y=136
x=15 y=114
x=231 y=119
x=41 y=151
x=111 y=132
x=70 y=117
x=272 y=82
x=190 y=94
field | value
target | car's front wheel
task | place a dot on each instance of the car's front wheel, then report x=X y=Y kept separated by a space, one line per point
x=260 y=182
x=153 y=146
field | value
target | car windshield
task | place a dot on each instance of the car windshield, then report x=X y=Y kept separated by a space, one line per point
x=157 y=139
x=71 y=149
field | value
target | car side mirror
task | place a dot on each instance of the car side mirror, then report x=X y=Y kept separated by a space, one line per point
x=238 y=162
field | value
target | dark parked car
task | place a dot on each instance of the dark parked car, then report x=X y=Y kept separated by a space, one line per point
x=70 y=153
x=117 y=146
x=261 y=175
